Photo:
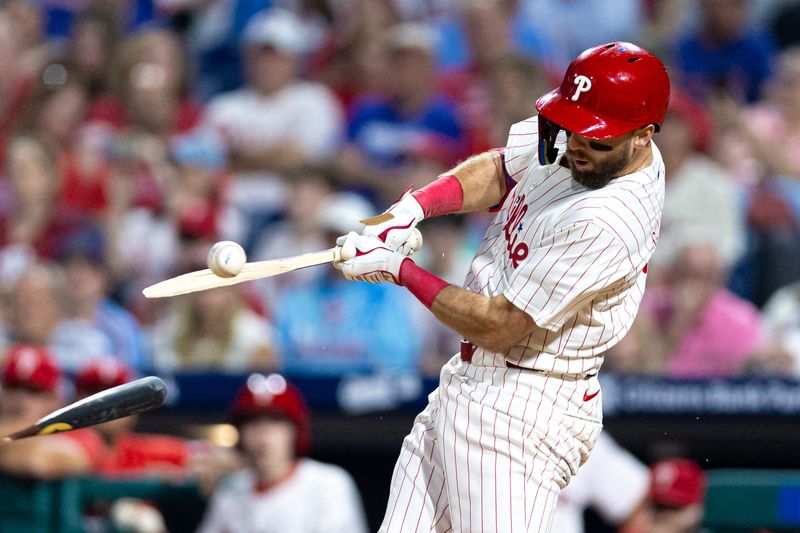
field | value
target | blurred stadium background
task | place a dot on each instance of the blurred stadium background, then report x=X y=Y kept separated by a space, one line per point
x=136 y=133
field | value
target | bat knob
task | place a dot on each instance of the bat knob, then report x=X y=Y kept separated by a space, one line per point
x=414 y=242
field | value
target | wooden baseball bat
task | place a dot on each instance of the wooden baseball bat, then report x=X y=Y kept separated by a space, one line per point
x=124 y=400
x=201 y=280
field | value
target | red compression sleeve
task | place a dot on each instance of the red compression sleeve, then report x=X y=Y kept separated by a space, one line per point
x=440 y=197
x=421 y=283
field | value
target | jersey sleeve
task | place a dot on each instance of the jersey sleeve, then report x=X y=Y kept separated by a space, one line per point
x=522 y=148
x=564 y=271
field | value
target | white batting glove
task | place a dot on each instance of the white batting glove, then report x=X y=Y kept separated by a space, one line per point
x=366 y=258
x=394 y=226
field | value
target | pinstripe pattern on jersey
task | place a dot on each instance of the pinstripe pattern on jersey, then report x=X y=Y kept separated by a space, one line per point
x=496 y=444
x=491 y=451
x=582 y=277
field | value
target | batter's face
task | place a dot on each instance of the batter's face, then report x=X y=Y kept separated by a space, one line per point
x=595 y=163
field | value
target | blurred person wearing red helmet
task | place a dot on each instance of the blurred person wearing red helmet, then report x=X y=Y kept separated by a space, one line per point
x=128 y=452
x=677 y=492
x=32 y=388
x=281 y=489
x=556 y=282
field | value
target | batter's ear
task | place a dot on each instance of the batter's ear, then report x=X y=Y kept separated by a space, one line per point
x=643 y=136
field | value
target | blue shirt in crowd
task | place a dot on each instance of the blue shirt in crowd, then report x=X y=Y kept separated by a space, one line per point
x=340 y=327
x=741 y=66
x=128 y=342
x=387 y=137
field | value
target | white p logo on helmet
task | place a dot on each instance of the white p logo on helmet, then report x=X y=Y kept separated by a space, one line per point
x=583 y=84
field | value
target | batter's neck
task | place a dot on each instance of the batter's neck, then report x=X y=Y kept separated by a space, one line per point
x=642 y=160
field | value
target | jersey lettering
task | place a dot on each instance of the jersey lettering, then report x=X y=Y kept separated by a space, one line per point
x=512 y=229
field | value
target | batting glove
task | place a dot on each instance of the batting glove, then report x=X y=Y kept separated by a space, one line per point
x=394 y=226
x=366 y=258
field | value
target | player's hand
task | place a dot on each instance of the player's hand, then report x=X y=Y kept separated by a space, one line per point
x=394 y=226
x=366 y=258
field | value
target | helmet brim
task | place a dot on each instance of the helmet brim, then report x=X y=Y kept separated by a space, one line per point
x=574 y=118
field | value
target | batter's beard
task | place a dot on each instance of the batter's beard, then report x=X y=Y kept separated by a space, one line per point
x=603 y=173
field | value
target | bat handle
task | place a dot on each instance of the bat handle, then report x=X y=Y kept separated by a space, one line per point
x=414 y=241
x=337 y=254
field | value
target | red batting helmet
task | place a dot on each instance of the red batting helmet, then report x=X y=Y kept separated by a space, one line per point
x=101 y=374
x=33 y=367
x=272 y=395
x=607 y=91
x=677 y=483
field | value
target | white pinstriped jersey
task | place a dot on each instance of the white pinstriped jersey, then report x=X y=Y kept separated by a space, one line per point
x=573 y=258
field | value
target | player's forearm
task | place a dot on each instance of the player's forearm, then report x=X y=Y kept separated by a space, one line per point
x=492 y=323
x=482 y=180
x=474 y=185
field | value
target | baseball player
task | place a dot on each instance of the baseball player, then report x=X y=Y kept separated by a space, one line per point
x=556 y=281
x=281 y=491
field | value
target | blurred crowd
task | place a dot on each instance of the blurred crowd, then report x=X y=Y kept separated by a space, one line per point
x=136 y=133
x=268 y=478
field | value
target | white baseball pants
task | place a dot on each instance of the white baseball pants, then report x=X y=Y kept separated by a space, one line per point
x=492 y=450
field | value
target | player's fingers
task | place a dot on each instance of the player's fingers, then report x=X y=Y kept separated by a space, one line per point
x=348 y=245
x=412 y=244
x=414 y=240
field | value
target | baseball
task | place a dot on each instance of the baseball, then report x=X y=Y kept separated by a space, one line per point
x=226 y=259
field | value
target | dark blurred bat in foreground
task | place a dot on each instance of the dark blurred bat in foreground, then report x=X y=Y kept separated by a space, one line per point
x=124 y=400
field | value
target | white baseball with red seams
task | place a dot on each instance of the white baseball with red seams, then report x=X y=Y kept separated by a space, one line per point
x=575 y=260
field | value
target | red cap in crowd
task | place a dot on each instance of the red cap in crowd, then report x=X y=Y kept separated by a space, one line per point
x=32 y=367
x=272 y=395
x=101 y=374
x=677 y=483
x=684 y=107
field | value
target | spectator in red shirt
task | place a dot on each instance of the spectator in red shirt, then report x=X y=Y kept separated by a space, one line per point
x=32 y=384
x=56 y=114
x=57 y=106
x=150 y=63
x=33 y=216
x=129 y=452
